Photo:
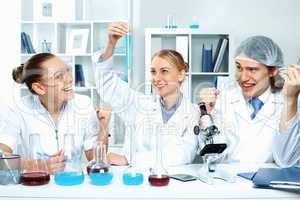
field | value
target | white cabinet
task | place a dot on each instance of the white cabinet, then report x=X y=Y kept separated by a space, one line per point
x=190 y=43
x=73 y=30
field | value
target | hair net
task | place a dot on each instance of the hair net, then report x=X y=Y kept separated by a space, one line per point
x=262 y=49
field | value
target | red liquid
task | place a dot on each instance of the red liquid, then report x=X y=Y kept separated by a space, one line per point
x=163 y=180
x=35 y=178
x=96 y=169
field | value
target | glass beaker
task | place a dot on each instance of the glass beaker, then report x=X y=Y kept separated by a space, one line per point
x=35 y=171
x=158 y=175
x=100 y=173
x=132 y=175
x=10 y=165
x=72 y=174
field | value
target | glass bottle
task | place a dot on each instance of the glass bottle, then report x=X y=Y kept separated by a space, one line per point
x=72 y=174
x=132 y=175
x=158 y=175
x=100 y=172
x=35 y=171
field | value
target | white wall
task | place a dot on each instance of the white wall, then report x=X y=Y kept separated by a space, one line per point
x=9 y=46
x=278 y=19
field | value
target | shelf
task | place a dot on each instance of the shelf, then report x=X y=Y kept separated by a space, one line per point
x=179 y=31
x=67 y=22
x=189 y=43
x=210 y=73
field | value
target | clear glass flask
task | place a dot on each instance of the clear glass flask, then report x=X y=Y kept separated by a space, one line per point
x=34 y=166
x=158 y=175
x=72 y=174
x=132 y=175
x=100 y=173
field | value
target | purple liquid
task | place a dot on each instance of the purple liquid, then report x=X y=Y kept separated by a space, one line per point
x=96 y=169
x=163 y=180
x=35 y=178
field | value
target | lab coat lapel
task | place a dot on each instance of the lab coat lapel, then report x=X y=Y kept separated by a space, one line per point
x=271 y=110
x=239 y=105
x=180 y=117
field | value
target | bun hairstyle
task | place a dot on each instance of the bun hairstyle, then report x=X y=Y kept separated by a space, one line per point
x=174 y=58
x=17 y=74
x=31 y=71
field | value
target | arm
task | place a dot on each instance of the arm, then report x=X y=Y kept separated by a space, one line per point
x=10 y=125
x=110 y=87
x=286 y=148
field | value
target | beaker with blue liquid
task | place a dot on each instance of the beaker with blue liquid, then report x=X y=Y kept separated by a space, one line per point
x=72 y=174
x=100 y=172
x=132 y=175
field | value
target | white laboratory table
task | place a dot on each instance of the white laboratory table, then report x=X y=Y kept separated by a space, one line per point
x=241 y=189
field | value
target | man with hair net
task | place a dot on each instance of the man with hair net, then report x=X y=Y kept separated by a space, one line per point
x=257 y=116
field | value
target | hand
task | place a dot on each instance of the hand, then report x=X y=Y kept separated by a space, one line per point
x=209 y=97
x=56 y=162
x=103 y=115
x=291 y=86
x=116 y=30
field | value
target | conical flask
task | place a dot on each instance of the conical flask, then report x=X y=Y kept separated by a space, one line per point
x=93 y=161
x=35 y=171
x=100 y=172
x=72 y=173
x=158 y=174
x=132 y=175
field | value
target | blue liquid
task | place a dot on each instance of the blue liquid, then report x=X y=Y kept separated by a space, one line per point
x=69 y=178
x=128 y=179
x=101 y=178
x=128 y=51
x=194 y=26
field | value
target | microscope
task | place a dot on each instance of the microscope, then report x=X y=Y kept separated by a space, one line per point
x=206 y=131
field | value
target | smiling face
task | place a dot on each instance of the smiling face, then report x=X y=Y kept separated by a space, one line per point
x=165 y=77
x=252 y=76
x=57 y=80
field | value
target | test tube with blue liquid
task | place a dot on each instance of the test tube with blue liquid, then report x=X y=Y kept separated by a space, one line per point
x=72 y=174
x=100 y=173
x=132 y=175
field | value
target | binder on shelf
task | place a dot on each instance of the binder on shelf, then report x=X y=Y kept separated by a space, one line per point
x=30 y=44
x=207 y=65
x=26 y=44
x=79 y=76
x=219 y=54
x=277 y=178
x=23 y=43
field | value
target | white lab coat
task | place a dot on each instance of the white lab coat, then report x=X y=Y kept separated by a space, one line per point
x=30 y=116
x=179 y=143
x=257 y=140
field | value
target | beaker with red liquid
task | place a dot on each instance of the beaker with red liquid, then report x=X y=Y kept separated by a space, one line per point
x=35 y=170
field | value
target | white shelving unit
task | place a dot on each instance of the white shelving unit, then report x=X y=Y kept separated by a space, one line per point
x=69 y=15
x=160 y=38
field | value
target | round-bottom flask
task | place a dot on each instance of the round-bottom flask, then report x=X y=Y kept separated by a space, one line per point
x=158 y=175
x=100 y=172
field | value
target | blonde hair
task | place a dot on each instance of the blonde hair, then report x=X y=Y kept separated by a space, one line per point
x=173 y=57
